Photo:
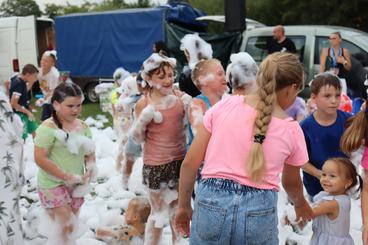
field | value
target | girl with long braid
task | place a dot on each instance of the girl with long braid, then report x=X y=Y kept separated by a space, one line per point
x=246 y=142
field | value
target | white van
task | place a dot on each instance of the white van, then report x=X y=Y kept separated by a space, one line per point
x=309 y=42
x=22 y=41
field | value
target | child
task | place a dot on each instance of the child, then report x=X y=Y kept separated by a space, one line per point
x=132 y=150
x=195 y=49
x=119 y=75
x=136 y=217
x=48 y=79
x=209 y=78
x=241 y=74
x=355 y=135
x=331 y=209
x=19 y=100
x=297 y=110
x=236 y=199
x=160 y=126
x=323 y=129
x=64 y=151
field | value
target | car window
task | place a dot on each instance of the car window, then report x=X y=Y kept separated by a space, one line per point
x=257 y=46
x=355 y=51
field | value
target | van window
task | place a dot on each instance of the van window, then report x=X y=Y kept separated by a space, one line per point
x=355 y=51
x=257 y=46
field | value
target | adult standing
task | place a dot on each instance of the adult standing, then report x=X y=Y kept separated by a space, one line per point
x=246 y=142
x=11 y=173
x=279 y=42
x=335 y=58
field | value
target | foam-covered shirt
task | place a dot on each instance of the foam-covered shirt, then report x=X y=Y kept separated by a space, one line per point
x=58 y=153
x=231 y=125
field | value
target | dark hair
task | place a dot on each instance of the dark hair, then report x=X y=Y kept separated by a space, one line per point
x=350 y=172
x=63 y=90
x=29 y=69
x=160 y=47
x=323 y=79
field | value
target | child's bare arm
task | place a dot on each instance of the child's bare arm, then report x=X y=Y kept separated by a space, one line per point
x=196 y=113
x=312 y=170
x=329 y=208
x=43 y=161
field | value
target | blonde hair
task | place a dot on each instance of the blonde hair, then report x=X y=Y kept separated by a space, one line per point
x=142 y=207
x=356 y=131
x=200 y=69
x=276 y=72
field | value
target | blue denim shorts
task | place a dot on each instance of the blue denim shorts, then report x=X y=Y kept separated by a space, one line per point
x=132 y=148
x=226 y=212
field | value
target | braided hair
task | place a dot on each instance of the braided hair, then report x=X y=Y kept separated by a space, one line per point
x=276 y=72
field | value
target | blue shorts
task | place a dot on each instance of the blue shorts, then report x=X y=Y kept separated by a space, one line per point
x=132 y=148
x=226 y=212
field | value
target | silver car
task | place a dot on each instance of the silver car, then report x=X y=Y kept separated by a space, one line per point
x=309 y=42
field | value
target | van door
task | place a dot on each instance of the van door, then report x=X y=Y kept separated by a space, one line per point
x=7 y=46
x=26 y=41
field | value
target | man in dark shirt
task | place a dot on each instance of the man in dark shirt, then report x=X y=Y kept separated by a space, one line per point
x=280 y=42
x=18 y=93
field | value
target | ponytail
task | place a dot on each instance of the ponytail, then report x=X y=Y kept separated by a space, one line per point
x=355 y=132
x=277 y=71
x=265 y=106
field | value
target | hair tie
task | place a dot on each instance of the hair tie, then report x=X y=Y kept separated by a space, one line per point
x=259 y=138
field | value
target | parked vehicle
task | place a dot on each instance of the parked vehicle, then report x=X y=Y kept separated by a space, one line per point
x=309 y=42
x=23 y=40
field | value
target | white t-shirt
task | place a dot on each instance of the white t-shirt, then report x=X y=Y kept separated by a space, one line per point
x=48 y=82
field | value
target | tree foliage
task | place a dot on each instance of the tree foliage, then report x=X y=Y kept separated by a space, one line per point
x=350 y=13
x=19 y=8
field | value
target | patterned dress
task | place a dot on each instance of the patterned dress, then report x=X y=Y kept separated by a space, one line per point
x=11 y=174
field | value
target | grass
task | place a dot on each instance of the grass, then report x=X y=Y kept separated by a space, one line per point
x=88 y=110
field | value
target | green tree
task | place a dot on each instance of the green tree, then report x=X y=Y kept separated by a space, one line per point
x=19 y=8
x=52 y=10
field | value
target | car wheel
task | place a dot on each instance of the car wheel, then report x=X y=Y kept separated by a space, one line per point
x=91 y=93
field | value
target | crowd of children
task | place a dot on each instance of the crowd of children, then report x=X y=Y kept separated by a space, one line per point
x=235 y=146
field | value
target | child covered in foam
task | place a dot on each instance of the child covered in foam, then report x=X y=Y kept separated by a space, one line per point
x=131 y=227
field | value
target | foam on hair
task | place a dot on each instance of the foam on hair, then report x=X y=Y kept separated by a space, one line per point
x=242 y=71
x=196 y=47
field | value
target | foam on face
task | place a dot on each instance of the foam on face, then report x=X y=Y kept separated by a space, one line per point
x=195 y=45
x=242 y=70
x=206 y=79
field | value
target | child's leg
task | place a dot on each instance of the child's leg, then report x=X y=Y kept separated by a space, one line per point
x=127 y=169
x=64 y=217
x=153 y=231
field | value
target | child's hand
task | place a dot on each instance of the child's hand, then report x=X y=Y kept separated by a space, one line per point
x=183 y=217
x=72 y=179
x=365 y=234
x=304 y=212
x=92 y=171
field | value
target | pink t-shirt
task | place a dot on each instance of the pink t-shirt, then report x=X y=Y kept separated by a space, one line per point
x=364 y=162
x=230 y=123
